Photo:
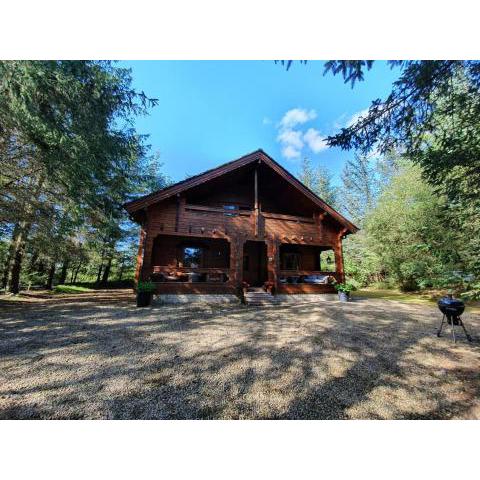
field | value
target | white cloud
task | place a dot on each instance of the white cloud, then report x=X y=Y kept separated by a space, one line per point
x=297 y=116
x=292 y=143
x=315 y=141
x=294 y=138
x=291 y=137
x=290 y=152
x=356 y=117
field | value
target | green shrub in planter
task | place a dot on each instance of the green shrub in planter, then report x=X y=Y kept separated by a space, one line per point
x=344 y=290
x=144 y=293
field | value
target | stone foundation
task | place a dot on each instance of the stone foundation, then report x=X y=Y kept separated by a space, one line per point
x=306 y=297
x=170 y=299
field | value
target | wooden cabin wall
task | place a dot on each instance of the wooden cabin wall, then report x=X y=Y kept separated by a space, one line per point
x=176 y=217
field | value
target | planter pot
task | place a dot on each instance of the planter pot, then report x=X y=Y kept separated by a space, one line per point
x=144 y=299
x=343 y=296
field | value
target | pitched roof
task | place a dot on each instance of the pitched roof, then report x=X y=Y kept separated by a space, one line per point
x=257 y=155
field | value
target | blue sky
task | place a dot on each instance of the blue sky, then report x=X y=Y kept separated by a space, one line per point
x=210 y=112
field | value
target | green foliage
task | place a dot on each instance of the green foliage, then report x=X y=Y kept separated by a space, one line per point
x=344 y=287
x=472 y=292
x=407 y=231
x=431 y=115
x=360 y=188
x=70 y=158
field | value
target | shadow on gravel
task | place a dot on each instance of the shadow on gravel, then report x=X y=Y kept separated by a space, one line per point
x=103 y=358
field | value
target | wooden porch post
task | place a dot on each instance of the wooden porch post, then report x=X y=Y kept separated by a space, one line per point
x=256 y=212
x=338 y=250
x=147 y=256
x=236 y=262
x=273 y=258
x=141 y=249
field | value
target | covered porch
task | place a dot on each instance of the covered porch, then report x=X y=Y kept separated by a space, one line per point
x=201 y=265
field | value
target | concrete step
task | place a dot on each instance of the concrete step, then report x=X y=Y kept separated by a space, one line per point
x=260 y=298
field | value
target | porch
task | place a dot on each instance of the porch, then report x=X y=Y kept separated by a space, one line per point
x=203 y=265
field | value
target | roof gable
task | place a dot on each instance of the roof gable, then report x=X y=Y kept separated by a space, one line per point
x=257 y=155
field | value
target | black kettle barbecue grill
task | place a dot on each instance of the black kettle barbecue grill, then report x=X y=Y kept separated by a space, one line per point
x=452 y=310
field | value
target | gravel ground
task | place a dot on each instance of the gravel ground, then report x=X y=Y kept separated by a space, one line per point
x=97 y=356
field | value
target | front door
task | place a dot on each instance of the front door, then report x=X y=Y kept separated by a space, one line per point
x=255 y=263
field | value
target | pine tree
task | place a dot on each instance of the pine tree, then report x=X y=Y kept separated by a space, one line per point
x=360 y=188
x=319 y=181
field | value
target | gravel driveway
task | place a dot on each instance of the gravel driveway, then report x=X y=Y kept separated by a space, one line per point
x=97 y=356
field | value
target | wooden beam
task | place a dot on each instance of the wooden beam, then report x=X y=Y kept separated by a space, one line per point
x=288 y=218
x=256 y=200
x=177 y=213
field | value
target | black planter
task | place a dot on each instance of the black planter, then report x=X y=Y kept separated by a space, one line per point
x=144 y=299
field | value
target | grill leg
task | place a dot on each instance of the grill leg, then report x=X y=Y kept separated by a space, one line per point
x=453 y=332
x=469 y=338
x=439 y=331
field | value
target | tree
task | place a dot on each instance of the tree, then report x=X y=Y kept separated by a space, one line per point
x=359 y=188
x=431 y=115
x=406 y=231
x=320 y=181
x=65 y=133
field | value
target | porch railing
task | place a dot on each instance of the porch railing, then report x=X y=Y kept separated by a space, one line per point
x=166 y=273
x=302 y=273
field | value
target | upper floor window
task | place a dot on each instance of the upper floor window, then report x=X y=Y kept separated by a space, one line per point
x=231 y=210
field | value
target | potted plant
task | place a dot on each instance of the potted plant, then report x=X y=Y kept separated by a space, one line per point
x=344 y=290
x=144 y=293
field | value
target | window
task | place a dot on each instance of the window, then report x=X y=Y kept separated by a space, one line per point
x=291 y=261
x=327 y=261
x=192 y=257
x=231 y=210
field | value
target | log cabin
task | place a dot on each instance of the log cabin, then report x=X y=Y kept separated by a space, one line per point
x=248 y=225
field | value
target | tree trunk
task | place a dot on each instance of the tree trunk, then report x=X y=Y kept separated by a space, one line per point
x=33 y=260
x=63 y=272
x=106 y=272
x=99 y=274
x=76 y=272
x=6 y=270
x=21 y=238
x=9 y=259
x=51 y=274
x=19 y=251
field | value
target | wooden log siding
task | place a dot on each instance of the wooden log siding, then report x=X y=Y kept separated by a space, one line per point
x=178 y=213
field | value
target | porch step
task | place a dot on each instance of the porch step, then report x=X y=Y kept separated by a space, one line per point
x=260 y=298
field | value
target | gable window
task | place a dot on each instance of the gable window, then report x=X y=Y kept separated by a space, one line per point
x=192 y=257
x=291 y=261
x=230 y=210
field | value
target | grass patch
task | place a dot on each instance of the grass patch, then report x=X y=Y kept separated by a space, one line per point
x=426 y=297
x=71 y=289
